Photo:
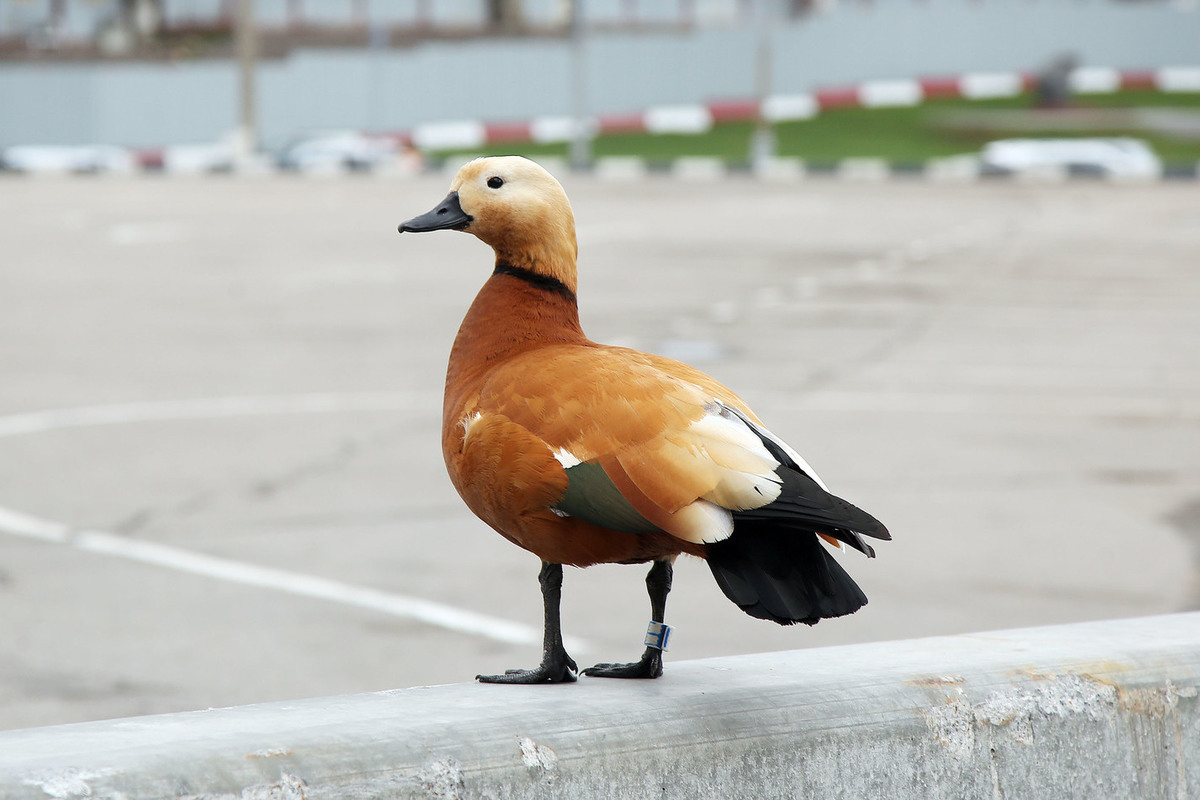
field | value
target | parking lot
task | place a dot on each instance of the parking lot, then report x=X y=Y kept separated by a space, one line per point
x=220 y=473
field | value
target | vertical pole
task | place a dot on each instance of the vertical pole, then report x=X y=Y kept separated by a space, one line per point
x=580 y=154
x=246 y=40
x=54 y=21
x=687 y=12
x=378 y=39
x=762 y=147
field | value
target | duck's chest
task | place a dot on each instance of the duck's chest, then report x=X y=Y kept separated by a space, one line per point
x=508 y=321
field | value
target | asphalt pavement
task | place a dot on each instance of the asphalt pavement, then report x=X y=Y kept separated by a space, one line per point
x=220 y=478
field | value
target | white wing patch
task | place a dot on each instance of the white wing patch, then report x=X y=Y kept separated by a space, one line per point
x=747 y=469
x=468 y=422
x=702 y=522
x=566 y=458
x=784 y=446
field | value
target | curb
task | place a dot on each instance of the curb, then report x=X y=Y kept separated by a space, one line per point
x=1099 y=709
x=698 y=118
x=701 y=117
x=954 y=169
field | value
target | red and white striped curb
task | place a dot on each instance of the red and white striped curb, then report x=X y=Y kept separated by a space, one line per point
x=701 y=117
x=696 y=118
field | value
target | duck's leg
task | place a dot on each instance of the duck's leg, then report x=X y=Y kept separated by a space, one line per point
x=556 y=666
x=658 y=584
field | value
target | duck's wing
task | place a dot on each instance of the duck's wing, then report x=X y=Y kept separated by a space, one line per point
x=646 y=443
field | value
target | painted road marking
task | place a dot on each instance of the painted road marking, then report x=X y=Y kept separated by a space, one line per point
x=439 y=615
x=18 y=523
x=213 y=408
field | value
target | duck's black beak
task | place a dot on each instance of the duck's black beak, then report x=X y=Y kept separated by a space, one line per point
x=449 y=215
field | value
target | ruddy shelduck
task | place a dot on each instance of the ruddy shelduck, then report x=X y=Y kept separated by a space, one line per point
x=584 y=454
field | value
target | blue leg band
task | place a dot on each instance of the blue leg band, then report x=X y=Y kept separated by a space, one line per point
x=658 y=634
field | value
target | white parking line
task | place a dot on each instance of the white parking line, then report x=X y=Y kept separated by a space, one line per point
x=18 y=523
x=213 y=407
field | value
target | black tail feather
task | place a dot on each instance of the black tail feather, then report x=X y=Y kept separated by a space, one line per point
x=784 y=576
x=803 y=505
x=774 y=566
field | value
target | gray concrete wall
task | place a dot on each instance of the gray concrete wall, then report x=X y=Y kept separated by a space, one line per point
x=80 y=19
x=1105 y=709
x=150 y=104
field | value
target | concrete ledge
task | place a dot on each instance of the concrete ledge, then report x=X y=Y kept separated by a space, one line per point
x=1106 y=709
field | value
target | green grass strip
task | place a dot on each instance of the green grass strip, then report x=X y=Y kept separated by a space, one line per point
x=905 y=134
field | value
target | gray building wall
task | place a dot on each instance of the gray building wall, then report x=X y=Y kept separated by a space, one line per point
x=149 y=104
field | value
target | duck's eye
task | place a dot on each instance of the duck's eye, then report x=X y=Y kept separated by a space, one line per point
x=495 y=182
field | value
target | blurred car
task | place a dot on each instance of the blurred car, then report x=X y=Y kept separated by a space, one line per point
x=337 y=151
x=67 y=158
x=1114 y=158
x=220 y=156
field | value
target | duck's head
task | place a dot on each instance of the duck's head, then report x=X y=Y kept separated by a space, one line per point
x=515 y=206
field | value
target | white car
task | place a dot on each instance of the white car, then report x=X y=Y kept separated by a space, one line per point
x=1115 y=158
x=337 y=151
x=67 y=158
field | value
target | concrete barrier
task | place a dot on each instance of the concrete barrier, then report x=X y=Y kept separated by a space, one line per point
x=1093 y=710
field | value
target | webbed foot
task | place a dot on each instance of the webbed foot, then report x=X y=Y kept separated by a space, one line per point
x=557 y=670
x=650 y=666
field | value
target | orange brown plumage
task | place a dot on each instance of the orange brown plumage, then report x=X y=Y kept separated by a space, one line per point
x=583 y=453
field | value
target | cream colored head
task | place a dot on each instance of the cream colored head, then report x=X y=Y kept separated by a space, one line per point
x=515 y=206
